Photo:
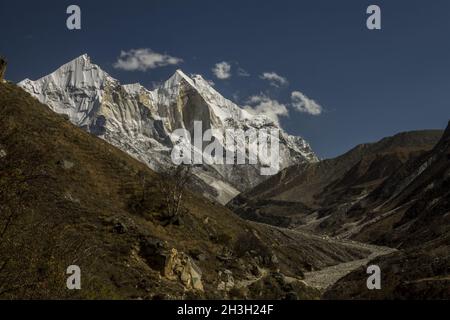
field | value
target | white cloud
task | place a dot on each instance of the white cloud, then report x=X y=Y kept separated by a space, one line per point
x=262 y=104
x=222 y=70
x=303 y=104
x=274 y=79
x=242 y=73
x=144 y=59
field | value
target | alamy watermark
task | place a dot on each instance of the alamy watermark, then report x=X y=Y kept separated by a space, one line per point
x=74 y=280
x=374 y=280
x=73 y=22
x=374 y=20
x=229 y=146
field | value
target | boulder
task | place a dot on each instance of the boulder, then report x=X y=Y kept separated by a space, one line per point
x=226 y=281
x=179 y=266
x=66 y=164
x=154 y=253
x=120 y=228
x=173 y=265
x=2 y=152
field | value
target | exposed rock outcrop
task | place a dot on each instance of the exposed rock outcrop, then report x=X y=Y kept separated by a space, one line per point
x=179 y=266
x=172 y=264
x=2 y=152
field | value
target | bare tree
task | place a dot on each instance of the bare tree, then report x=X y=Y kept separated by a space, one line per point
x=172 y=183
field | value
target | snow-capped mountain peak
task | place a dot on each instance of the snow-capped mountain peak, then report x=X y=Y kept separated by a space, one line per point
x=74 y=89
x=140 y=121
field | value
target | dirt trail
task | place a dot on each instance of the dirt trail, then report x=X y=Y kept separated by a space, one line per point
x=324 y=278
x=249 y=282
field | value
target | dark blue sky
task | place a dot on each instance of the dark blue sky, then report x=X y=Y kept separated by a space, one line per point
x=371 y=83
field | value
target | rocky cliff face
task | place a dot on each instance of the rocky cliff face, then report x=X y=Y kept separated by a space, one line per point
x=142 y=122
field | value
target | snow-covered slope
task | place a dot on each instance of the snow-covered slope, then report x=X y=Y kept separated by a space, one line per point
x=140 y=122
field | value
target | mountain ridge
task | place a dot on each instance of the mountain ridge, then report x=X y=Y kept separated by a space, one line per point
x=140 y=121
x=318 y=186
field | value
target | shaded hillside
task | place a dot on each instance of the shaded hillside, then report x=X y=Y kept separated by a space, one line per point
x=410 y=211
x=67 y=197
x=304 y=195
x=412 y=206
x=393 y=193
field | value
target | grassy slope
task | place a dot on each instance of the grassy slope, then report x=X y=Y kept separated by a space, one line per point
x=68 y=190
